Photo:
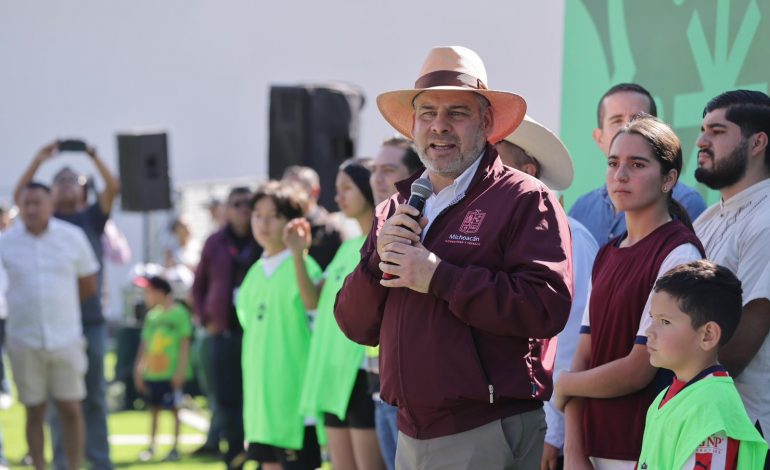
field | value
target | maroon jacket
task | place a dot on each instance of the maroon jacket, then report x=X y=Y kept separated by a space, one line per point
x=221 y=269
x=467 y=352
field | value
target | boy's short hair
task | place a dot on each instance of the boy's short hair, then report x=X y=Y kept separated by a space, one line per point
x=705 y=292
x=38 y=185
x=289 y=201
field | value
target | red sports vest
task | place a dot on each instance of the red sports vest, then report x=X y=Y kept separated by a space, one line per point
x=622 y=280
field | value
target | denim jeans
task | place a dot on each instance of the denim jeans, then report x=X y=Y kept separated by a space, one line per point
x=387 y=431
x=94 y=406
x=205 y=373
x=4 y=387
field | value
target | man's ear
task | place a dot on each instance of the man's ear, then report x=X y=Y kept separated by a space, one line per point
x=760 y=143
x=711 y=336
x=597 y=135
x=529 y=168
x=488 y=119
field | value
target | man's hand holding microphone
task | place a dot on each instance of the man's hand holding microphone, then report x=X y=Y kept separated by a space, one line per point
x=405 y=261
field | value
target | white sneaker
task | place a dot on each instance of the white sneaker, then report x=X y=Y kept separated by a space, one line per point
x=6 y=401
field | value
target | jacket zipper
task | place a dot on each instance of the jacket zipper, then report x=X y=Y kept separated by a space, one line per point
x=490 y=386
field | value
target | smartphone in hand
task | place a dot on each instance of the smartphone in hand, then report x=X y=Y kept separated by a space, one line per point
x=72 y=145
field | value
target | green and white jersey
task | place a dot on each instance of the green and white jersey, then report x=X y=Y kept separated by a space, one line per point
x=276 y=341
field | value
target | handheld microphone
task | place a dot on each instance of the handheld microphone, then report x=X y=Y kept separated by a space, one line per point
x=421 y=190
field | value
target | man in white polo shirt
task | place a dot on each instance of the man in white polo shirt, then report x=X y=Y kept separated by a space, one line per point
x=734 y=158
x=50 y=267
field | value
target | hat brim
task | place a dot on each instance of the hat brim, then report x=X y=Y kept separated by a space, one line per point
x=556 y=166
x=508 y=109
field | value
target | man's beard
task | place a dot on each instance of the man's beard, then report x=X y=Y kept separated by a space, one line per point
x=727 y=171
x=462 y=163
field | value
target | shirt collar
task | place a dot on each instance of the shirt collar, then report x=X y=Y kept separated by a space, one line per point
x=39 y=235
x=746 y=195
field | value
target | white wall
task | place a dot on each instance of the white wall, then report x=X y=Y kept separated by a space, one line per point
x=202 y=70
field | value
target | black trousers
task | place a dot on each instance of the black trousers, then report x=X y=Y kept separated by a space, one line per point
x=224 y=358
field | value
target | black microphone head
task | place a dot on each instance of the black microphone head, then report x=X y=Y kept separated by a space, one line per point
x=422 y=187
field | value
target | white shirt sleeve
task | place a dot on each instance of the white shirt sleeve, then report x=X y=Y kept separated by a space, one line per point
x=585 y=324
x=86 y=264
x=753 y=265
x=679 y=255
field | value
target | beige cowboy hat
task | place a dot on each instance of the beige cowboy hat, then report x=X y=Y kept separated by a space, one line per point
x=556 y=168
x=453 y=68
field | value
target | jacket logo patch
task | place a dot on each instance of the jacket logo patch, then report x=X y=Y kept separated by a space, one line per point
x=472 y=222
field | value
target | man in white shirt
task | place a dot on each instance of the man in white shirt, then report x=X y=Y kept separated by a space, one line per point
x=733 y=158
x=50 y=267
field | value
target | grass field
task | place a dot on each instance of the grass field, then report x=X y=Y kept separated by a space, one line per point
x=127 y=430
x=125 y=426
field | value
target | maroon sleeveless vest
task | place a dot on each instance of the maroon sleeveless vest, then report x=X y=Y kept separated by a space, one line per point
x=622 y=280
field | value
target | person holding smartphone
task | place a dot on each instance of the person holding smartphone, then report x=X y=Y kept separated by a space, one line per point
x=70 y=204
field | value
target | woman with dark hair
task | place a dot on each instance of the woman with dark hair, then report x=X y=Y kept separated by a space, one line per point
x=612 y=383
x=335 y=382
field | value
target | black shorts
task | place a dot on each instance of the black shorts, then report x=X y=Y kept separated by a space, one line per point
x=162 y=394
x=307 y=458
x=360 y=412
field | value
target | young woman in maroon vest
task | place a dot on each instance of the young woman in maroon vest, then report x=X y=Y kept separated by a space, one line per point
x=612 y=382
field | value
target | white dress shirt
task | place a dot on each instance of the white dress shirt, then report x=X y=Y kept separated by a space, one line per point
x=735 y=233
x=448 y=196
x=43 y=272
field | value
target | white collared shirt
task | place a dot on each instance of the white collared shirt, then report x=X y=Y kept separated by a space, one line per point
x=448 y=196
x=735 y=233
x=271 y=263
x=43 y=272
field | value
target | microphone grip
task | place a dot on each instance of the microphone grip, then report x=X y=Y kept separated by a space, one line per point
x=418 y=202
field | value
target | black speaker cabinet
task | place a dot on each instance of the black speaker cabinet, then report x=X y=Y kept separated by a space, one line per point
x=315 y=126
x=144 y=180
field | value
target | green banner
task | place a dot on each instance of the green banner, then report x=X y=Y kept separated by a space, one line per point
x=684 y=51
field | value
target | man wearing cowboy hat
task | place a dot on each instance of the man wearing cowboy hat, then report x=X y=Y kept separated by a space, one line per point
x=480 y=281
x=537 y=151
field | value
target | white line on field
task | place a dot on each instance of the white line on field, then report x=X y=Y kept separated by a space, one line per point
x=161 y=439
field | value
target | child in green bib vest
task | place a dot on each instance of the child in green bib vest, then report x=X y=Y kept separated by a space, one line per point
x=162 y=360
x=699 y=422
x=276 y=339
x=335 y=382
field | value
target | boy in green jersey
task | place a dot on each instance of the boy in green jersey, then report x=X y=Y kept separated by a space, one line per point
x=161 y=362
x=276 y=339
x=699 y=421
